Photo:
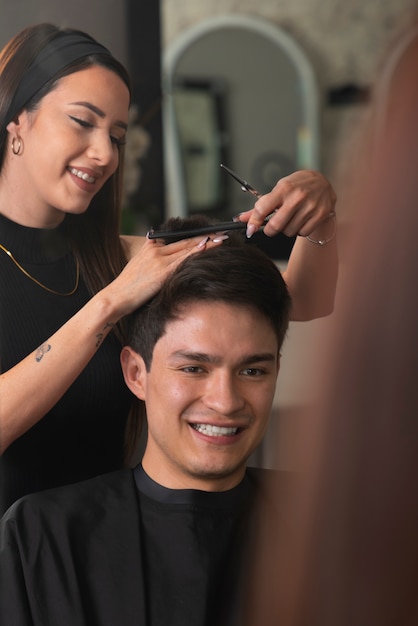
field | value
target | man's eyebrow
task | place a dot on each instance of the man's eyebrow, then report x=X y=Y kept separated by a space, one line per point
x=259 y=358
x=99 y=112
x=202 y=357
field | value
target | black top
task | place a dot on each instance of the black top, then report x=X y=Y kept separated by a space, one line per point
x=83 y=434
x=193 y=551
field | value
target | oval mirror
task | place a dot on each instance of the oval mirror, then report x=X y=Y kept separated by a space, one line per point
x=239 y=91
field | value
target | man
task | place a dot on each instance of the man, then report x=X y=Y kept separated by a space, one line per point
x=168 y=543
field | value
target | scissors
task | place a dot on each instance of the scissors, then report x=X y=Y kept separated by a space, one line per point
x=211 y=228
x=244 y=185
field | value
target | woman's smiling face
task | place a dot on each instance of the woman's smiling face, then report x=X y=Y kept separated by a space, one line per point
x=71 y=144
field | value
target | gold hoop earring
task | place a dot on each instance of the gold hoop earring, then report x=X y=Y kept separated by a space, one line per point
x=19 y=146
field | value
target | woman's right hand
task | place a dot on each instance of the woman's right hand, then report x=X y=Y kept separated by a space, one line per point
x=146 y=270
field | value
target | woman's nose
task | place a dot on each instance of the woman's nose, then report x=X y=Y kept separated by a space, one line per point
x=101 y=148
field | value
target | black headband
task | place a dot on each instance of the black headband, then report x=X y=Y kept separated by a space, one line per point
x=57 y=54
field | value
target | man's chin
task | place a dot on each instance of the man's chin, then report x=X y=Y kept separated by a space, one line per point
x=217 y=477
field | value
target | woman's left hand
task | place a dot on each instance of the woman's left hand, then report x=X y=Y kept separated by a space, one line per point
x=299 y=204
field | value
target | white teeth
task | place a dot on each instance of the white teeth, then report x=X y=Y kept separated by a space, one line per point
x=82 y=175
x=214 y=431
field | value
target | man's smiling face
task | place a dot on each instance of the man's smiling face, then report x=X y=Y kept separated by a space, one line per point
x=208 y=392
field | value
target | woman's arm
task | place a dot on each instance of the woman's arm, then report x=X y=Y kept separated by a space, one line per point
x=33 y=386
x=311 y=276
x=303 y=204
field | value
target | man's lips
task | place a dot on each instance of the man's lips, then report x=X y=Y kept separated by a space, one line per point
x=216 y=431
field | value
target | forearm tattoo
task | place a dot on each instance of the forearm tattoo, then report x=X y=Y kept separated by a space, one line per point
x=100 y=336
x=41 y=351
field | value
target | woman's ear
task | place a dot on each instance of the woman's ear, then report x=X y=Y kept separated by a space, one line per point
x=134 y=371
x=19 y=124
x=13 y=127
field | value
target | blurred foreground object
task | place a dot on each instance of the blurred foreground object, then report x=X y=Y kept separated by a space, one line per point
x=353 y=559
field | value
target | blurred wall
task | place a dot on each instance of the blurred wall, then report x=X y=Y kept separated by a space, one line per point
x=103 y=19
x=344 y=41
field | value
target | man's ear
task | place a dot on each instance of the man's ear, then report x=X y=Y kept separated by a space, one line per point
x=134 y=371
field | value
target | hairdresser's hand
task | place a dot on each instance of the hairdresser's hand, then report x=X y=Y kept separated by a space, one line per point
x=301 y=202
x=148 y=267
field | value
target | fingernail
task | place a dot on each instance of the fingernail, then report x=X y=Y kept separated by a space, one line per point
x=236 y=217
x=202 y=243
x=251 y=228
x=219 y=238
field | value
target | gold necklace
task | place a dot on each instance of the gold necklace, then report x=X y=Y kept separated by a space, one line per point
x=57 y=293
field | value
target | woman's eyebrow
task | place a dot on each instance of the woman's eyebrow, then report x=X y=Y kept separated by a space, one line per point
x=98 y=112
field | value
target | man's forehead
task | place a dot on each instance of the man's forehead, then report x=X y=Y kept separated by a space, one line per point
x=199 y=326
x=191 y=307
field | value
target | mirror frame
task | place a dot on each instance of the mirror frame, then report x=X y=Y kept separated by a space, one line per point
x=176 y=204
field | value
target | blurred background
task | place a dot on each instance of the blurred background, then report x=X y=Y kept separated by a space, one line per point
x=264 y=86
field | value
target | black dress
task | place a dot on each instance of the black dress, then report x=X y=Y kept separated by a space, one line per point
x=83 y=435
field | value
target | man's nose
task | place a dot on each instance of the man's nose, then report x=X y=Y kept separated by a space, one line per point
x=223 y=394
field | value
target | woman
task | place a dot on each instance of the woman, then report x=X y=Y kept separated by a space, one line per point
x=68 y=280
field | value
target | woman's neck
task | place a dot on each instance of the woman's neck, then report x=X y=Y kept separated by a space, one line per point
x=19 y=205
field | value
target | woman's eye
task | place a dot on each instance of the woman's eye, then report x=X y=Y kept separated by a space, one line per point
x=118 y=141
x=81 y=122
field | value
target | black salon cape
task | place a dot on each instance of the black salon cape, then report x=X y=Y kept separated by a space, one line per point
x=86 y=570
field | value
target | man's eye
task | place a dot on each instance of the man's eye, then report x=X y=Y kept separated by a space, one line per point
x=192 y=369
x=253 y=371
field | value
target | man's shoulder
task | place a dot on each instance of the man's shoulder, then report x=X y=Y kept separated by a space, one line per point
x=91 y=495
